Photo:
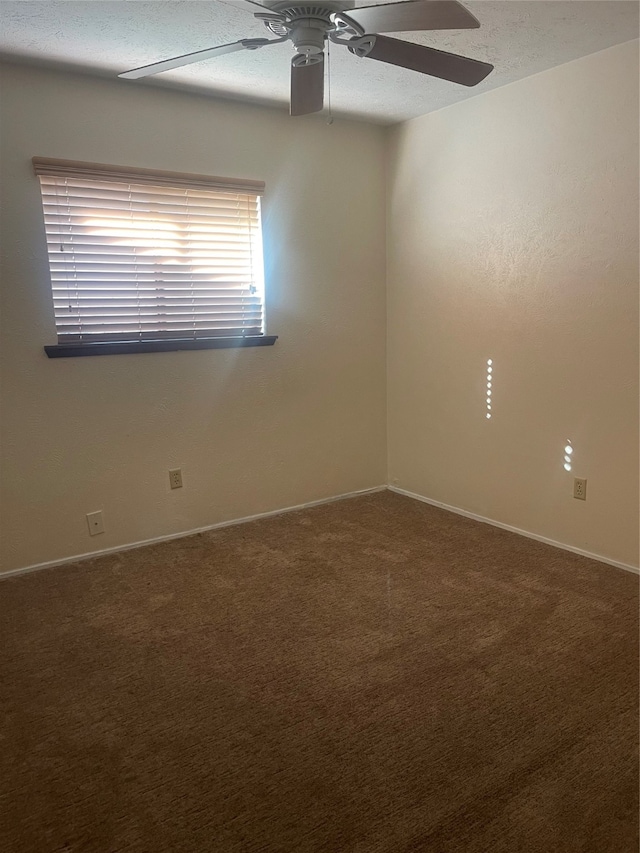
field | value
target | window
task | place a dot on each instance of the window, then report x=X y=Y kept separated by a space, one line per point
x=143 y=261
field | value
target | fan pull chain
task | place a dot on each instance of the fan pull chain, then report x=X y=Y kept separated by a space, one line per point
x=330 y=116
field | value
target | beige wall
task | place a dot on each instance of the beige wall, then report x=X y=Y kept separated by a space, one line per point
x=253 y=430
x=513 y=234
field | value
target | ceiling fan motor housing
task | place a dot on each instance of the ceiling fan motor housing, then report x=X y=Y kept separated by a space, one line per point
x=307 y=38
x=284 y=6
x=306 y=22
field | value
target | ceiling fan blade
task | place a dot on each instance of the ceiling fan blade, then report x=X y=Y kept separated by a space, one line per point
x=307 y=88
x=428 y=60
x=188 y=58
x=414 y=15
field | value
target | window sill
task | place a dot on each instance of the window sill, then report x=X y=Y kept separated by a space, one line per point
x=122 y=347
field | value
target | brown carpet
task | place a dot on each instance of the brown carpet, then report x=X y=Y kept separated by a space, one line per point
x=371 y=676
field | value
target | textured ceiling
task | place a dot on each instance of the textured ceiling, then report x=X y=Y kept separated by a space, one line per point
x=520 y=37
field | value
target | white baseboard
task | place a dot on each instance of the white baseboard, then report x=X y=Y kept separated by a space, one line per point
x=509 y=527
x=90 y=555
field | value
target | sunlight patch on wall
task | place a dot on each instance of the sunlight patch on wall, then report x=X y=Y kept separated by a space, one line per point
x=568 y=455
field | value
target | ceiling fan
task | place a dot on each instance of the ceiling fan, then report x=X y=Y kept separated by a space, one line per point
x=308 y=24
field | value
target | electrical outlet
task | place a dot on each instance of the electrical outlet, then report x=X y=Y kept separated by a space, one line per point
x=175 y=478
x=95 y=522
x=580 y=488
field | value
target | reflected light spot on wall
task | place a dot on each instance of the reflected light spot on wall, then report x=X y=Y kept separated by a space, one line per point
x=489 y=385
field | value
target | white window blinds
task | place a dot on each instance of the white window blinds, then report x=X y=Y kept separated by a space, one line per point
x=137 y=255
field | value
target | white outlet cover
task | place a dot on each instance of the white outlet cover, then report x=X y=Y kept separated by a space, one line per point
x=95 y=522
x=580 y=488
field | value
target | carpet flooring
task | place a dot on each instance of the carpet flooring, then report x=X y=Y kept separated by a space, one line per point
x=373 y=675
